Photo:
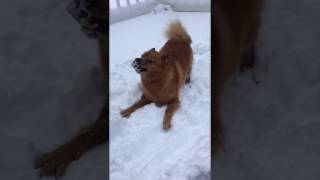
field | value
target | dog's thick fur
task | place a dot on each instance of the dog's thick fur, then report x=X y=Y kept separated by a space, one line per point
x=165 y=72
x=236 y=25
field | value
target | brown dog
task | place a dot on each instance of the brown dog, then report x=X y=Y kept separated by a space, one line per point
x=236 y=25
x=163 y=73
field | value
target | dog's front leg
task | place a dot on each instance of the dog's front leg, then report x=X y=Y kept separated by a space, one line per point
x=140 y=103
x=171 y=108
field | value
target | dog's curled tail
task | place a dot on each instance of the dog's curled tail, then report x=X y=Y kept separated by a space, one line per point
x=177 y=32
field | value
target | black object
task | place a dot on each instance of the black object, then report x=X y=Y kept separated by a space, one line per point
x=84 y=13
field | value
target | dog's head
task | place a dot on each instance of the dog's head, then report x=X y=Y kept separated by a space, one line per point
x=149 y=62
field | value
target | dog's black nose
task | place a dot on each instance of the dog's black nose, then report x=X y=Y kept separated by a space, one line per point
x=137 y=60
x=136 y=66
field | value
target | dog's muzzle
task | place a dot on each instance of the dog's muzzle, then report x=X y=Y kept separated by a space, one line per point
x=136 y=65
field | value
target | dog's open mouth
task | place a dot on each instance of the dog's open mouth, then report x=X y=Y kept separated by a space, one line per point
x=137 y=68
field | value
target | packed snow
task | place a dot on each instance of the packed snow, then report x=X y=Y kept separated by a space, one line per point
x=139 y=148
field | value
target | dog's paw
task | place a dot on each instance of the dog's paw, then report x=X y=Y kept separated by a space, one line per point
x=166 y=126
x=52 y=164
x=125 y=113
x=187 y=81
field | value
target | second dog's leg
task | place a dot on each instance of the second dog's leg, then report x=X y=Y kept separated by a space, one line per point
x=248 y=60
x=171 y=108
x=55 y=163
x=142 y=102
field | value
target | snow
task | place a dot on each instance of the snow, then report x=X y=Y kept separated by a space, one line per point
x=139 y=148
x=272 y=129
x=125 y=11
x=160 y=8
x=123 y=3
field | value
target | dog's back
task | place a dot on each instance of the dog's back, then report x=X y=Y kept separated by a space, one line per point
x=236 y=24
x=178 y=48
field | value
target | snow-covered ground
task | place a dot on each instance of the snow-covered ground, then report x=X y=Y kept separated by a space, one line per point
x=113 y=3
x=139 y=148
x=47 y=90
x=273 y=128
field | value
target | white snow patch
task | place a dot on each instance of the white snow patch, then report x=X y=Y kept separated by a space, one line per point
x=161 y=8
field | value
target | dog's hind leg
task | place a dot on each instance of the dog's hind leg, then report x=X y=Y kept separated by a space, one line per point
x=140 y=103
x=188 y=77
x=171 y=108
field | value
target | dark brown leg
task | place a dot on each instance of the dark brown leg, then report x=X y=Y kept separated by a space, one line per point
x=248 y=60
x=171 y=109
x=188 y=77
x=55 y=163
x=140 y=103
x=217 y=129
x=102 y=46
x=188 y=80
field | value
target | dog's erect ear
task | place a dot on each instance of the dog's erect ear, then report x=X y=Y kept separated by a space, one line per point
x=153 y=49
